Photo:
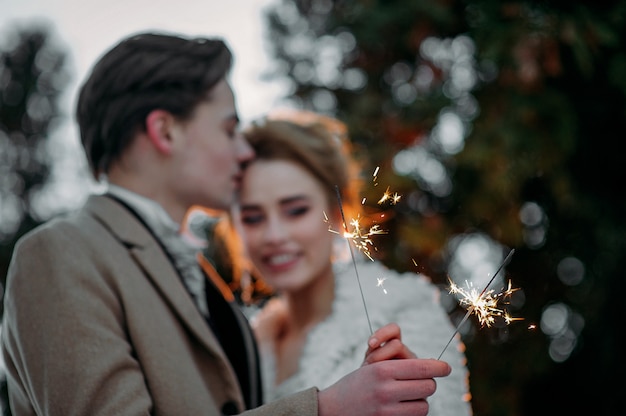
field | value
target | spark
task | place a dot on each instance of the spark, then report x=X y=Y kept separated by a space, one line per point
x=379 y=283
x=486 y=304
x=375 y=175
x=387 y=196
x=360 y=237
x=416 y=265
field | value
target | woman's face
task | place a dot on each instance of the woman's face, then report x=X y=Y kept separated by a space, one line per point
x=283 y=224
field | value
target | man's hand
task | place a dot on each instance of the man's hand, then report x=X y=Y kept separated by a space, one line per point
x=392 y=387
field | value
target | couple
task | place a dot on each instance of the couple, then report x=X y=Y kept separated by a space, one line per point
x=104 y=312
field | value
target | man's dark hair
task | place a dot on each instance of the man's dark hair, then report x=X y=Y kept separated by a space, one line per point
x=142 y=73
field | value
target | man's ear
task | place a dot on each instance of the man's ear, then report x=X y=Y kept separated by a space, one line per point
x=158 y=125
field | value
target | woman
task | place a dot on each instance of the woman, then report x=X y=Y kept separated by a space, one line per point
x=314 y=330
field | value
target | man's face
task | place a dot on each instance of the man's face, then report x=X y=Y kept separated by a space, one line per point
x=209 y=156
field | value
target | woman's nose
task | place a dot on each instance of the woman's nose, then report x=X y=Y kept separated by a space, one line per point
x=275 y=232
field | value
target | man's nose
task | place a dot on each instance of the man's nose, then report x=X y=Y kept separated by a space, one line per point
x=245 y=152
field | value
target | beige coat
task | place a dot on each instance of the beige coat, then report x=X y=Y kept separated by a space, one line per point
x=97 y=322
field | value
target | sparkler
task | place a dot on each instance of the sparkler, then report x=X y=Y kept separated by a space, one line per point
x=361 y=238
x=360 y=243
x=483 y=304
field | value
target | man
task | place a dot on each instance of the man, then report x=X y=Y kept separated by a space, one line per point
x=106 y=311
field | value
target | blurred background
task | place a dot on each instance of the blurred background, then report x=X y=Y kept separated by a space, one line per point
x=499 y=123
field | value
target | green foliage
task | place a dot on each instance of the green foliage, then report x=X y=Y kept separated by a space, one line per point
x=32 y=77
x=538 y=90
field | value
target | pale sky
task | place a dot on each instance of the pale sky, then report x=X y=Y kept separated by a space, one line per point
x=87 y=28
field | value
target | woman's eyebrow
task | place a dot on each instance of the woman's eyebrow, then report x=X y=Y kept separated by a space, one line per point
x=293 y=198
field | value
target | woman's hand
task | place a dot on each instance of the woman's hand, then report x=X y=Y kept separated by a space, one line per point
x=269 y=322
x=386 y=344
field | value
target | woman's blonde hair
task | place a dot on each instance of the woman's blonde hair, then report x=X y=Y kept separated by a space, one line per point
x=318 y=143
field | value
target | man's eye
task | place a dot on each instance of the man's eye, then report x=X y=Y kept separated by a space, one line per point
x=251 y=219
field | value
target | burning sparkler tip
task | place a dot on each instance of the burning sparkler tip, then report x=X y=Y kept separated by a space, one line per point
x=485 y=305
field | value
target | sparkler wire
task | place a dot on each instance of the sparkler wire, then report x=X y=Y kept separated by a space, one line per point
x=471 y=308
x=356 y=270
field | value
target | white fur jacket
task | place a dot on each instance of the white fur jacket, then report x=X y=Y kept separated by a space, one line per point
x=337 y=345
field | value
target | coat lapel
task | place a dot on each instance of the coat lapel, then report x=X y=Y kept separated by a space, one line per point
x=148 y=253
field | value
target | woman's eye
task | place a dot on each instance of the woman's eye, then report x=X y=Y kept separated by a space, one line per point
x=297 y=211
